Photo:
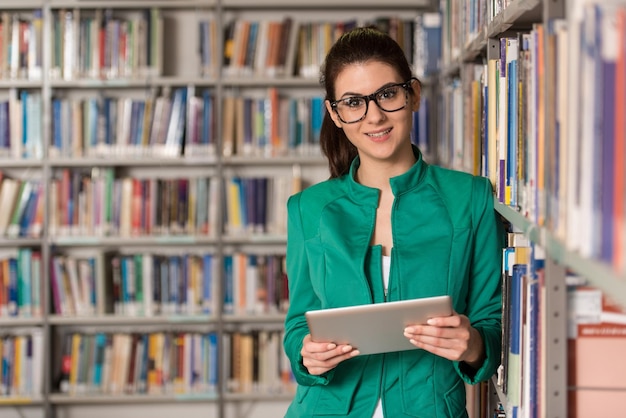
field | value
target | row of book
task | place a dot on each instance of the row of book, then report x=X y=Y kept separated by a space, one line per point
x=555 y=159
x=171 y=363
x=255 y=284
x=100 y=44
x=138 y=363
x=464 y=21
x=134 y=284
x=109 y=44
x=293 y=47
x=125 y=126
x=184 y=124
x=20 y=283
x=595 y=324
x=255 y=362
x=92 y=202
x=21 y=363
x=257 y=205
x=21 y=207
x=95 y=203
x=147 y=284
x=271 y=125
x=21 y=125
x=521 y=374
x=21 y=47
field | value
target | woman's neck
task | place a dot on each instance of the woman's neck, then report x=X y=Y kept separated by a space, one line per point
x=377 y=174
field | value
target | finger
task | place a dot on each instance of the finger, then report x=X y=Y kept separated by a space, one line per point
x=317 y=347
x=325 y=352
x=446 y=321
x=318 y=366
x=442 y=333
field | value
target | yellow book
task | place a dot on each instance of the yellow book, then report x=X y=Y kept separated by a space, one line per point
x=17 y=365
x=74 y=362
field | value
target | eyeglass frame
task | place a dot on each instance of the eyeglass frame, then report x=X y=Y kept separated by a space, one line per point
x=372 y=97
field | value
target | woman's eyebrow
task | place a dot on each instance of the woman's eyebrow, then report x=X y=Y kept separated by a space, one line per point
x=352 y=94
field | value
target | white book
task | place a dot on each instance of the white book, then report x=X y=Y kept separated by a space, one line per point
x=75 y=288
x=37 y=362
x=16 y=123
x=8 y=197
x=147 y=276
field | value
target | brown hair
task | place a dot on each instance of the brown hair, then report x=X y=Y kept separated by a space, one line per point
x=359 y=45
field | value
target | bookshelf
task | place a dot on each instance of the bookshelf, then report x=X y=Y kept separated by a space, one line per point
x=532 y=148
x=148 y=56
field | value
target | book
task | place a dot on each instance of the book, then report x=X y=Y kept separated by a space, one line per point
x=596 y=325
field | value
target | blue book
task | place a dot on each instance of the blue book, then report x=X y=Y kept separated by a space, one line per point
x=317 y=116
x=176 y=127
x=174 y=283
x=30 y=210
x=24 y=277
x=57 y=125
x=100 y=342
x=515 y=336
x=127 y=287
x=14 y=296
x=293 y=137
x=7 y=364
x=5 y=126
x=91 y=128
x=135 y=122
x=512 y=106
x=207 y=137
x=607 y=166
x=229 y=301
x=24 y=97
x=213 y=367
x=207 y=284
x=110 y=121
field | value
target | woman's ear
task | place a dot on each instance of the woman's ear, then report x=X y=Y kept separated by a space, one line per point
x=416 y=96
x=332 y=114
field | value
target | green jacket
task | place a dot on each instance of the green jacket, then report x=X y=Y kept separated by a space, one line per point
x=447 y=239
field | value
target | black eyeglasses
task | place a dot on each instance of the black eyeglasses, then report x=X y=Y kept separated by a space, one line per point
x=390 y=98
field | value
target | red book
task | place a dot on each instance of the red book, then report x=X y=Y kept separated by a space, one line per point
x=596 y=381
x=136 y=211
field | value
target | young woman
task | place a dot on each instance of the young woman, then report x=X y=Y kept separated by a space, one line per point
x=385 y=227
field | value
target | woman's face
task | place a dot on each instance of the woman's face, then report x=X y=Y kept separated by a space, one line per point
x=380 y=135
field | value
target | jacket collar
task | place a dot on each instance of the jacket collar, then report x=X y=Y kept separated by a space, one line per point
x=368 y=196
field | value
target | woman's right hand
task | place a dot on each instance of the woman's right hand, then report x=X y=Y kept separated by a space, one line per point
x=318 y=358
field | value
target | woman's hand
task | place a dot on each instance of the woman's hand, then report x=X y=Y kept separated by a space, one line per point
x=451 y=337
x=318 y=358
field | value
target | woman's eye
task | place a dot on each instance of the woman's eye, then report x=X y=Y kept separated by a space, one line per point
x=354 y=102
x=387 y=93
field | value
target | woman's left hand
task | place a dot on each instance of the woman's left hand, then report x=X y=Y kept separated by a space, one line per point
x=451 y=337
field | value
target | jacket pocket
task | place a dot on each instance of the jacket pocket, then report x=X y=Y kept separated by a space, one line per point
x=336 y=398
x=455 y=400
x=416 y=383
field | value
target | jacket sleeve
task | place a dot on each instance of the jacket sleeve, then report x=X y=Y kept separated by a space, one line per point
x=302 y=297
x=485 y=289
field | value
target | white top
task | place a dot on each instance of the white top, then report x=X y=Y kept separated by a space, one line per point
x=378 y=413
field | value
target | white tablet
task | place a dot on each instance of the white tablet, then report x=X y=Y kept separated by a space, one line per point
x=378 y=327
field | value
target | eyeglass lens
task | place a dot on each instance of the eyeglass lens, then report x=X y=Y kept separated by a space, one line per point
x=388 y=99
